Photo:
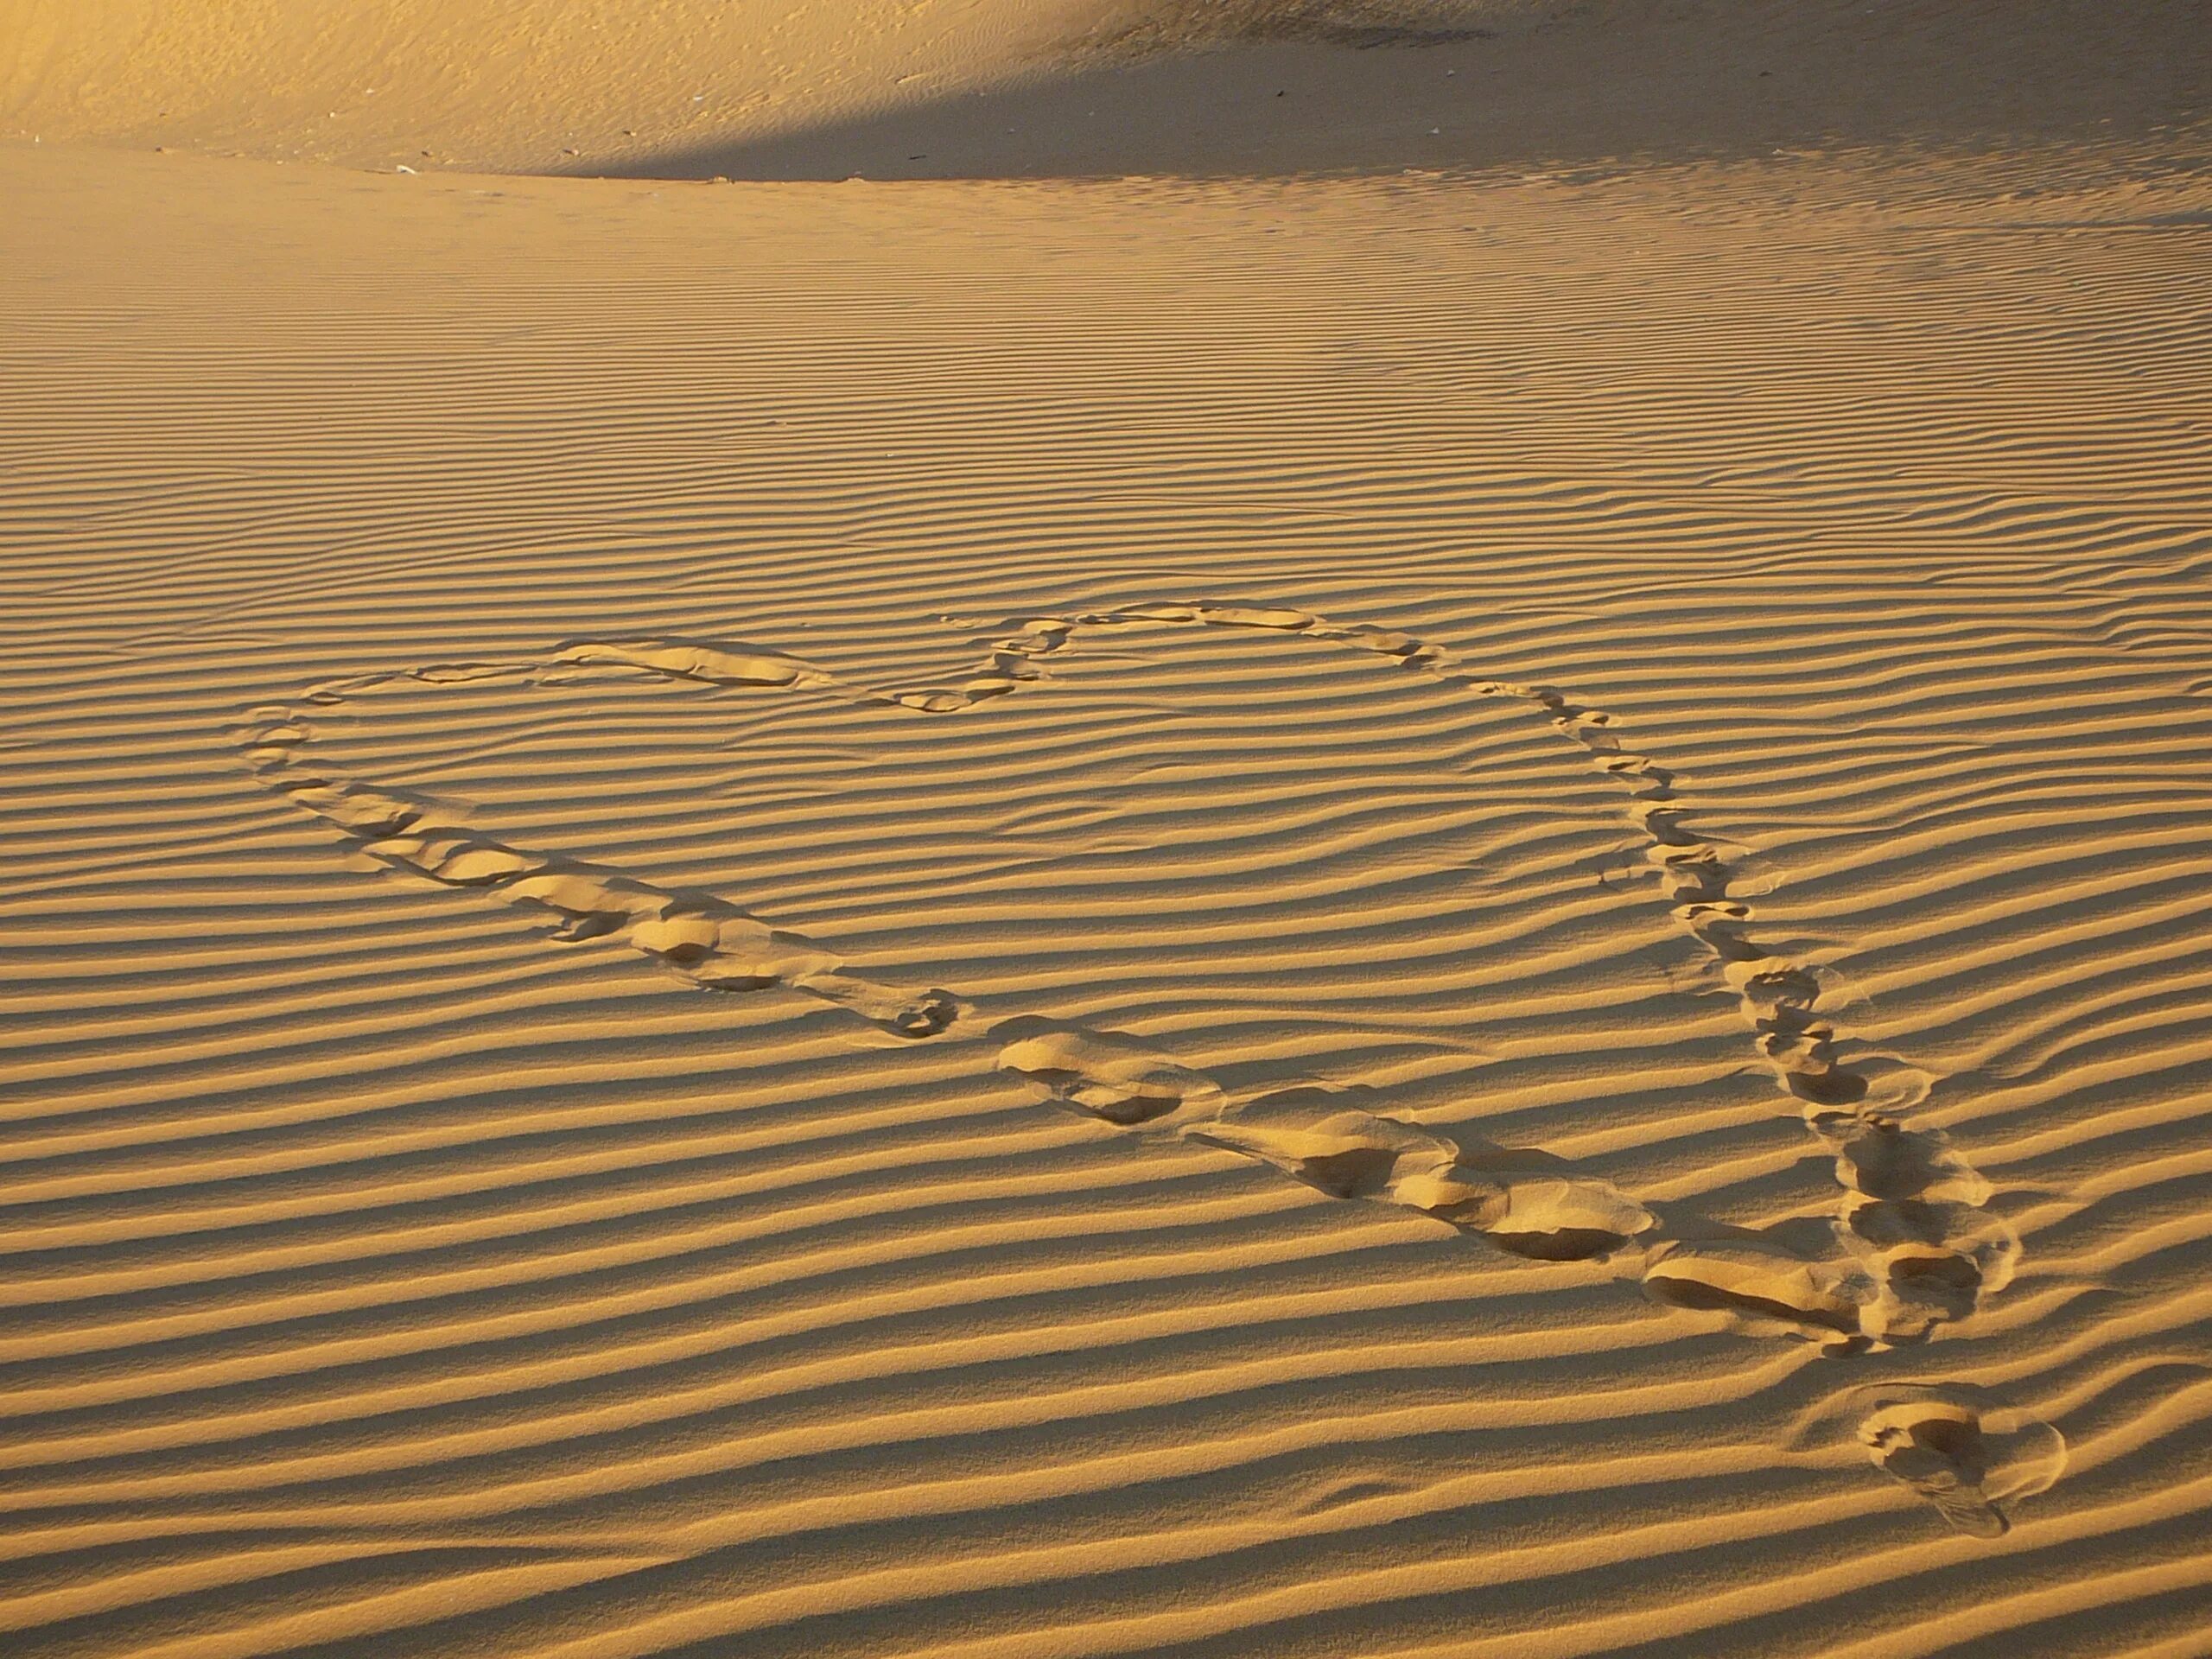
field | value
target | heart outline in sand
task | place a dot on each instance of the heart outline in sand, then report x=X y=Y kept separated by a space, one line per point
x=1914 y=1246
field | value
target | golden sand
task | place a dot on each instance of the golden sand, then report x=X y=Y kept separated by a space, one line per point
x=1232 y=888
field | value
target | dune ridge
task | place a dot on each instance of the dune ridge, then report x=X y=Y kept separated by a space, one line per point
x=884 y=89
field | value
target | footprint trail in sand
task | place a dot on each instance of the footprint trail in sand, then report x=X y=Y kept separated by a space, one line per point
x=1912 y=1246
x=709 y=942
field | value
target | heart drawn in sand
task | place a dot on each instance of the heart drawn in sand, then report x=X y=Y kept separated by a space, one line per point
x=1913 y=1245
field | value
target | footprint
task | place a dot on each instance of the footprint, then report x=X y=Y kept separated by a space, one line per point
x=1941 y=1257
x=1963 y=1450
x=1383 y=641
x=1103 y=1074
x=1517 y=1200
x=1349 y=1154
x=1565 y=1218
x=698 y=660
x=1880 y=1157
x=901 y=1013
x=1915 y=1214
x=1545 y=1212
x=1280 y=619
x=1803 y=1052
x=456 y=857
x=592 y=904
x=365 y=813
x=1765 y=1286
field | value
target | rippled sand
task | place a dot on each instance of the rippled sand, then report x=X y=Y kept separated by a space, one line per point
x=1447 y=908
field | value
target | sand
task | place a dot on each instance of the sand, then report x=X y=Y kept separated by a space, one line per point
x=1219 y=890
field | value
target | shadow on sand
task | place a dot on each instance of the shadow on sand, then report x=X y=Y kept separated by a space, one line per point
x=1585 y=85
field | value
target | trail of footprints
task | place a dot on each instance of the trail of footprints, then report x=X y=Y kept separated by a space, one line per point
x=1911 y=1246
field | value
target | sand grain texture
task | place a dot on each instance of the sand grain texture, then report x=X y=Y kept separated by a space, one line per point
x=1433 y=913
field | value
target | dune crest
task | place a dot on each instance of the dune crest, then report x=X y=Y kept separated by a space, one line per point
x=882 y=89
x=523 y=85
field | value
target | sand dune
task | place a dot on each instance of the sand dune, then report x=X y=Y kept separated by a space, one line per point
x=523 y=85
x=1409 y=913
x=825 y=89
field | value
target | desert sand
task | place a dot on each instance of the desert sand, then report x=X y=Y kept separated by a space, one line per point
x=1026 y=829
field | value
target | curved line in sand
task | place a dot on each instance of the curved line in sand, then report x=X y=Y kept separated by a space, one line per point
x=1913 y=1245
